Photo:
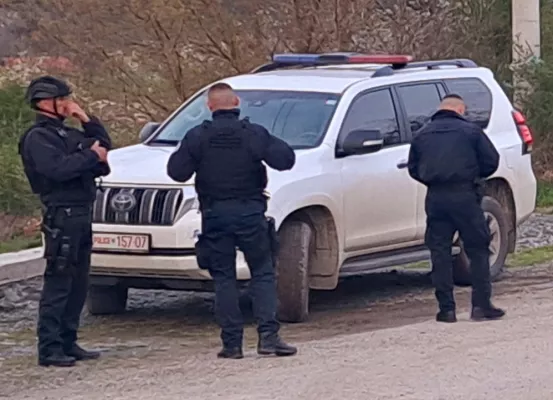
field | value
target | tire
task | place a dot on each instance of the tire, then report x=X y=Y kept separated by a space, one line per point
x=499 y=229
x=106 y=300
x=292 y=271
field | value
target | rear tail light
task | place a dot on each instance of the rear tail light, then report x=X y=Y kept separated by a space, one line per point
x=524 y=132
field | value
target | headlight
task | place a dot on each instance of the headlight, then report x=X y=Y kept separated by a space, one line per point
x=190 y=204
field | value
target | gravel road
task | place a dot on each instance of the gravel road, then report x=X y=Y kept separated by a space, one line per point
x=370 y=332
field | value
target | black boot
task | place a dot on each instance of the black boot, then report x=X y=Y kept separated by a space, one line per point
x=81 y=354
x=446 y=316
x=234 y=353
x=56 y=360
x=486 y=313
x=273 y=344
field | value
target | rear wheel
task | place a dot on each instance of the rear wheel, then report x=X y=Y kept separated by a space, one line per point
x=498 y=224
x=105 y=300
x=293 y=271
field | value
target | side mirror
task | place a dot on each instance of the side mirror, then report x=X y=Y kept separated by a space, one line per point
x=147 y=131
x=362 y=141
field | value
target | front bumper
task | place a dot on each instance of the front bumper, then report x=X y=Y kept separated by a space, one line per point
x=154 y=266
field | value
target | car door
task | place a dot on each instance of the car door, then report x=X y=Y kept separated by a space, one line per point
x=379 y=199
x=419 y=101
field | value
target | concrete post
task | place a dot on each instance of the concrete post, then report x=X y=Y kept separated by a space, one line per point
x=526 y=39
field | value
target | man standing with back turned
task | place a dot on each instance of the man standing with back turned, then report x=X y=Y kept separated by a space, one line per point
x=227 y=155
x=450 y=155
x=61 y=164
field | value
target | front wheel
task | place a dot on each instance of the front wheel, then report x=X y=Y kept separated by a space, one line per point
x=498 y=224
x=106 y=300
x=293 y=271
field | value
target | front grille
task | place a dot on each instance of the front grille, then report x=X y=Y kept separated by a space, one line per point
x=151 y=206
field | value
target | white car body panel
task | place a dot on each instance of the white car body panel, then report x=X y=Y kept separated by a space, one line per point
x=375 y=205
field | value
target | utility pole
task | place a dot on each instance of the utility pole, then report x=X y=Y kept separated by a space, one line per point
x=526 y=39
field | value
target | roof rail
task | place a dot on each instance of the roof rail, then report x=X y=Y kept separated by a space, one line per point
x=326 y=59
x=432 y=64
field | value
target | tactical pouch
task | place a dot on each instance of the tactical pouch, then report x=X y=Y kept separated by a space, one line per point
x=273 y=238
x=57 y=245
x=202 y=253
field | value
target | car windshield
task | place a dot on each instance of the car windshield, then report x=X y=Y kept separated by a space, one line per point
x=299 y=118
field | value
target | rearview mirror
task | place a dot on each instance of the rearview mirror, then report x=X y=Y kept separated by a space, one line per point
x=147 y=131
x=361 y=141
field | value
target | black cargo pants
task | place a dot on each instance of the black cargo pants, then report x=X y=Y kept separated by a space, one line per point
x=68 y=244
x=448 y=210
x=227 y=225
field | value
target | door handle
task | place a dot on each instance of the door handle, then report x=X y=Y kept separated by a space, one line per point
x=402 y=164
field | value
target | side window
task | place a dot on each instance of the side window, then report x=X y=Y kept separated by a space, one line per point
x=420 y=102
x=477 y=96
x=374 y=110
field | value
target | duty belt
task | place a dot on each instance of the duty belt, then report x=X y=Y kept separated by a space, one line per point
x=452 y=186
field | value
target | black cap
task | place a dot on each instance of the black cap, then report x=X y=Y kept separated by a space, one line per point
x=46 y=87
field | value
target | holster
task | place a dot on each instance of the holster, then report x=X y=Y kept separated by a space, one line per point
x=58 y=250
x=273 y=238
x=202 y=253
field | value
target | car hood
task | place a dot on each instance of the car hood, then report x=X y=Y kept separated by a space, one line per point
x=140 y=165
x=147 y=166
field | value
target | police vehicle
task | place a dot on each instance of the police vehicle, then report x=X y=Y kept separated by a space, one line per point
x=347 y=207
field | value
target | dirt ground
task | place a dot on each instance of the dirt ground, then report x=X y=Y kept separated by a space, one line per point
x=372 y=338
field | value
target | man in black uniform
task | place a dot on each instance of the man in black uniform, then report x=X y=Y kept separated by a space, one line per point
x=450 y=155
x=61 y=164
x=227 y=156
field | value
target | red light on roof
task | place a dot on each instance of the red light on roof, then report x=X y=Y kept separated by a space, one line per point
x=380 y=59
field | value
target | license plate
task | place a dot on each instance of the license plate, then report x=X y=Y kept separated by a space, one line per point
x=120 y=242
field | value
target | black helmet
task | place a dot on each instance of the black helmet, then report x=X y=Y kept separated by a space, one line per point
x=46 y=87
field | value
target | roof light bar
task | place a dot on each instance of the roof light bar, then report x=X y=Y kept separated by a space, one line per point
x=284 y=60
x=340 y=58
x=292 y=58
x=381 y=59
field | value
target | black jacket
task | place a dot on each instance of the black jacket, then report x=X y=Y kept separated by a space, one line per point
x=58 y=161
x=451 y=150
x=227 y=156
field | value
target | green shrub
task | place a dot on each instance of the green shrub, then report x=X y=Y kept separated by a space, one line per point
x=539 y=104
x=15 y=116
x=545 y=194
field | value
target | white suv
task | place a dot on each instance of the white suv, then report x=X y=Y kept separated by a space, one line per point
x=347 y=207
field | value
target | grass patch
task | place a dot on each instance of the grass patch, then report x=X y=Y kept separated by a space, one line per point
x=524 y=258
x=529 y=257
x=20 y=243
x=418 y=265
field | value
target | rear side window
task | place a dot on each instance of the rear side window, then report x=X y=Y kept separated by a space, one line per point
x=477 y=96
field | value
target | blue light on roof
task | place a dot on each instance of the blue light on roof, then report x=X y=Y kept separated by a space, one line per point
x=292 y=58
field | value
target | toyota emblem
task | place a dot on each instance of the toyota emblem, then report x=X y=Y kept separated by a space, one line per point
x=123 y=202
